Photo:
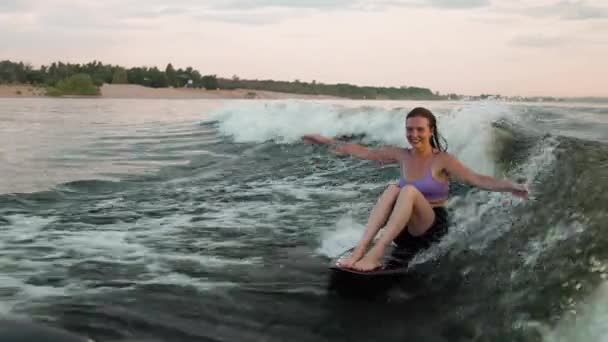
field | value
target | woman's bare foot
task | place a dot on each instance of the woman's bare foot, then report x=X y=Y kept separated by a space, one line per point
x=350 y=261
x=371 y=261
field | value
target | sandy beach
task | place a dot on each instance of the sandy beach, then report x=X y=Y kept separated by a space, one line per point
x=20 y=91
x=136 y=91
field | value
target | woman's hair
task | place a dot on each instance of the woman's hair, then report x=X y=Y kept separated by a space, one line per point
x=436 y=137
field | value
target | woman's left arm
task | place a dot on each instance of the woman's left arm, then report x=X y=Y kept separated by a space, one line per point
x=454 y=167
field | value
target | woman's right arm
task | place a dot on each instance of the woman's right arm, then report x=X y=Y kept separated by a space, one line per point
x=458 y=169
x=387 y=154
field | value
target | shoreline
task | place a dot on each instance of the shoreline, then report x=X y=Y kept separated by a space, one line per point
x=133 y=91
x=22 y=90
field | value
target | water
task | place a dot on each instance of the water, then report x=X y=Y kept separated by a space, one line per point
x=171 y=220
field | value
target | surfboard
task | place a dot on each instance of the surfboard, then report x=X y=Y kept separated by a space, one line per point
x=395 y=262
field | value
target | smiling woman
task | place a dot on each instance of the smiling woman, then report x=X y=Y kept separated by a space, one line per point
x=413 y=212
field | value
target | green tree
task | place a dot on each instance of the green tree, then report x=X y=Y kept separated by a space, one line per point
x=120 y=76
x=158 y=79
x=58 y=74
x=171 y=75
x=209 y=82
x=78 y=84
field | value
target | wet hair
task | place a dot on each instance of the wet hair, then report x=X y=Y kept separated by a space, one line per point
x=436 y=138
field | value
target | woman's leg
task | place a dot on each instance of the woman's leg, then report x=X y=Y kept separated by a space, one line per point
x=377 y=219
x=411 y=210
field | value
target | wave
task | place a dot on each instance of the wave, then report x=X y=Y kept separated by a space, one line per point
x=491 y=231
x=255 y=213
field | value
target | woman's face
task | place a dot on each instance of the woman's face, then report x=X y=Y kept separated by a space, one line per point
x=418 y=131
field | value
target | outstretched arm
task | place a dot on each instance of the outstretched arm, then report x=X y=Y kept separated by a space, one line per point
x=388 y=154
x=456 y=168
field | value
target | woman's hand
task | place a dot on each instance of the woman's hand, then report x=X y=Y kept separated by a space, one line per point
x=519 y=190
x=387 y=154
x=317 y=139
x=336 y=148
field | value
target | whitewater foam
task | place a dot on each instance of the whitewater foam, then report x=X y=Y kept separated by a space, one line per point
x=288 y=121
x=139 y=245
x=466 y=126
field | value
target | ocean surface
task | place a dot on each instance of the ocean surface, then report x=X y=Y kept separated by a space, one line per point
x=206 y=220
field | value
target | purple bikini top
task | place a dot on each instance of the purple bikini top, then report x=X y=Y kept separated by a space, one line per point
x=429 y=187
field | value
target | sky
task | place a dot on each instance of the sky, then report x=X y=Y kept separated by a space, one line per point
x=507 y=47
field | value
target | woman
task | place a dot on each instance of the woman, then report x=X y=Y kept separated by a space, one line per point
x=416 y=205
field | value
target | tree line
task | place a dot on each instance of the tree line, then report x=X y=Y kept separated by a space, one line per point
x=339 y=90
x=50 y=75
x=69 y=78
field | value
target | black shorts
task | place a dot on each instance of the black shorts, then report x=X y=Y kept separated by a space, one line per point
x=412 y=244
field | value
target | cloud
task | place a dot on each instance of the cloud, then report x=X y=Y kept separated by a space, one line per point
x=40 y=46
x=458 y=3
x=90 y=15
x=538 y=41
x=156 y=13
x=273 y=11
x=9 y=6
x=542 y=41
x=251 y=17
x=312 y=4
x=79 y=18
x=349 y=4
x=241 y=11
x=569 y=10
